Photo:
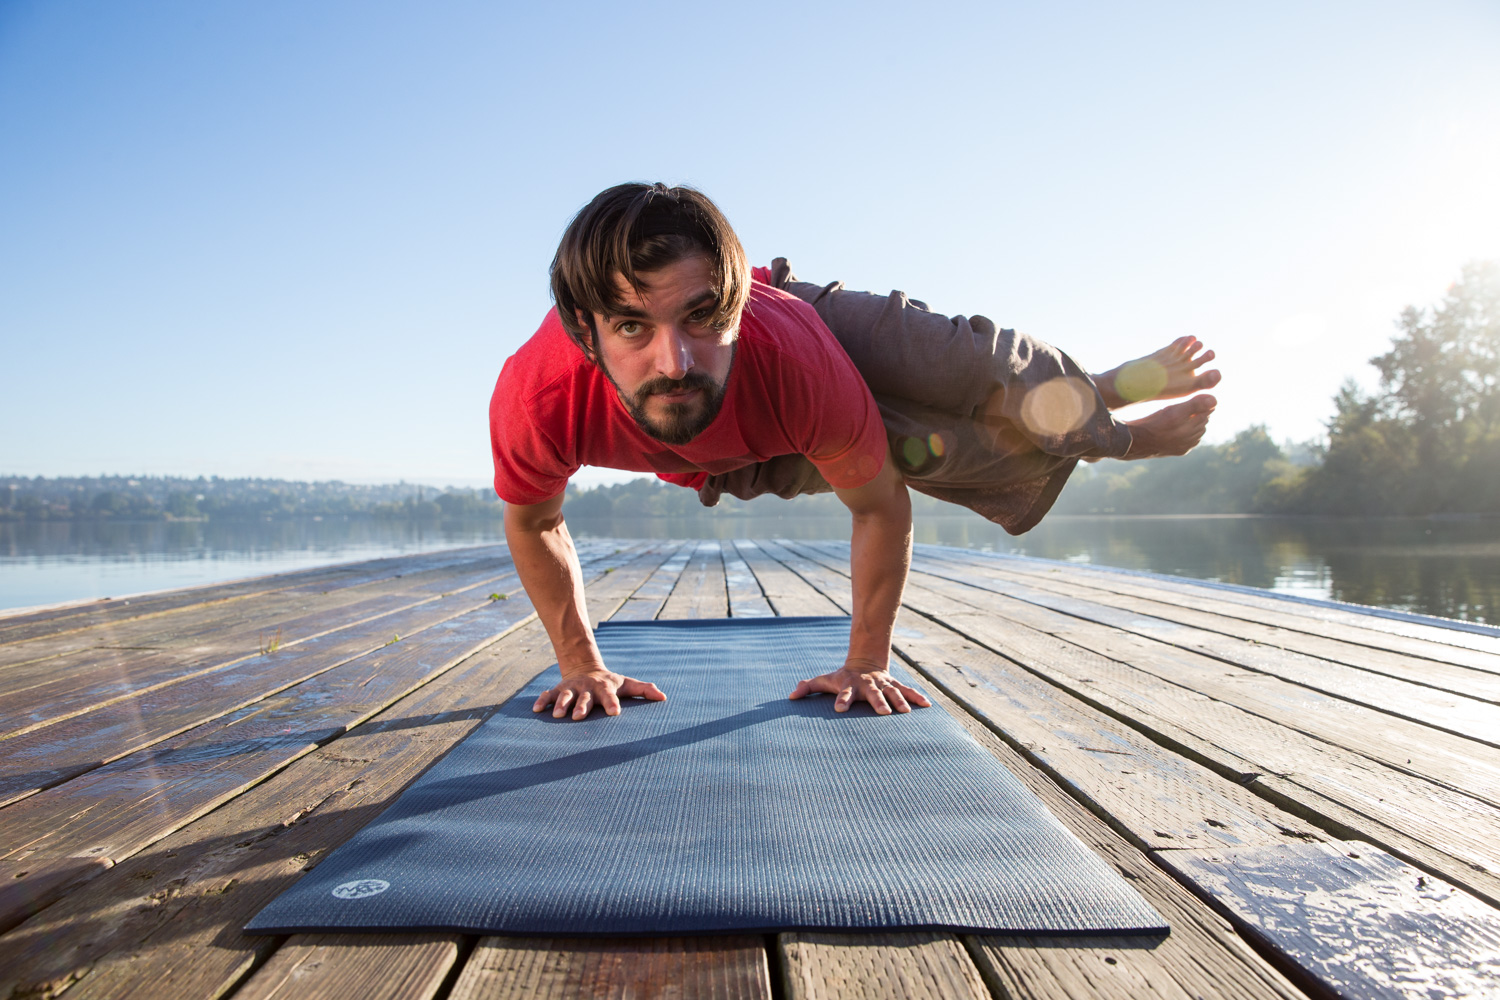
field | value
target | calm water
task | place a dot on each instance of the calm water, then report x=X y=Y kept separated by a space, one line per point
x=1440 y=567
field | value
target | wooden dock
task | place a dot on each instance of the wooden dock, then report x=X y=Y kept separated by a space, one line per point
x=1310 y=795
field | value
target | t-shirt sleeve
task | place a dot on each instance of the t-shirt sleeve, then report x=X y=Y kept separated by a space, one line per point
x=528 y=467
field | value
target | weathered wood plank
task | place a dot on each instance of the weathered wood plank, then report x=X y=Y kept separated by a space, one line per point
x=1024 y=969
x=647 y=600
x=617 y=969
x=46 y=755
x=1444 y=676
x=116 y=810
x=1157 y=798
x=1452 y=713
x=1442 y=830
x=1415 y=639
x=165 y=922
x=1057 y=968
x=367 y=966
x=1359 y=921
x=1160 y=799
x=787 y=593
x=55 y=689
x=700 y=591
x=1202 y=956
x=1457 y=762
x=254 y=619
x=56 y=839
x=745 y=597
x=137 y=673
x=19 y=626
x=911 y=966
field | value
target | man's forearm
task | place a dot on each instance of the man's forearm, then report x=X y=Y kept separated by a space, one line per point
x=547 y=564
x=880 y=557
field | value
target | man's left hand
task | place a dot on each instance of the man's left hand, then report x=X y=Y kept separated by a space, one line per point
x=859 y=680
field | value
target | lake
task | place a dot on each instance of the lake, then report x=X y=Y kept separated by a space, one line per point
x=1448 y=567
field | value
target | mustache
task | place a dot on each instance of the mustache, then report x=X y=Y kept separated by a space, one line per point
x=663 y=385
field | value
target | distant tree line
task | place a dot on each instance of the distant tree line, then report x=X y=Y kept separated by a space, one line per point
x=1426 y=441
x=167 y=498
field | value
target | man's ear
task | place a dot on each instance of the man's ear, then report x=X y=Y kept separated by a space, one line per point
x=586 y=320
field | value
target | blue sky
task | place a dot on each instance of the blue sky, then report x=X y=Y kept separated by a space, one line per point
x=300 y=239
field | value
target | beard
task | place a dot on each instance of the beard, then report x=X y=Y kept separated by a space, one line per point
x=682 y=421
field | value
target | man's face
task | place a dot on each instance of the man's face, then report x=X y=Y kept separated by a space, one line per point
x=668 y=366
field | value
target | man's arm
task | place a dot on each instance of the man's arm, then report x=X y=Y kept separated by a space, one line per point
x=880 y=557
x=548 y=566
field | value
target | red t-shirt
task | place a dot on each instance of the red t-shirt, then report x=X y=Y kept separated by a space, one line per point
x=792 y=391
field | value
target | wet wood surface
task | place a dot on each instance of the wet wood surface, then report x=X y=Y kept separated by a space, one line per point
x=1308 y=794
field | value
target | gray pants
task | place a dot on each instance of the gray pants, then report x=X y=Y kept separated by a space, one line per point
x=979 y=416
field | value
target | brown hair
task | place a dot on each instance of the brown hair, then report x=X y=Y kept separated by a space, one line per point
x=634 y=228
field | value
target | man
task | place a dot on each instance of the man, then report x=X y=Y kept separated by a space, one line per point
x=666 y=353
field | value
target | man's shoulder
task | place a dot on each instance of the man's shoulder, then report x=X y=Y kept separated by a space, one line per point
x=548 y=358
x=787 y=331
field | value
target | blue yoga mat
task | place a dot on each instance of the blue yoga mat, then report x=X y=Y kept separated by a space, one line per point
x=726 y=808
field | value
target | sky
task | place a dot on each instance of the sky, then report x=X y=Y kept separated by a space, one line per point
x=299 y=240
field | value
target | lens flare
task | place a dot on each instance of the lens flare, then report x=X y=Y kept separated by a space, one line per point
x=1057 y=407
x=913 y=453
x=1143 y=379
x=935 y=444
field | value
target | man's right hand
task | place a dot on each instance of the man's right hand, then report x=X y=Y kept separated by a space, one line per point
x=582 y=690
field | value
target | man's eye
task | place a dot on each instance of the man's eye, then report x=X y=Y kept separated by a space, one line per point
x=701 y=316
x=629 y=329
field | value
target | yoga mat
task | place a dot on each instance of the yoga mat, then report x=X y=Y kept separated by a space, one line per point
x=725 y=808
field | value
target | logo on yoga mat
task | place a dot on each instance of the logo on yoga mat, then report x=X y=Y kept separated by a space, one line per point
x=361 y=888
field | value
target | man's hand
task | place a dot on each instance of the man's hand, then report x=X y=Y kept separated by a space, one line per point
x=863 y=681
x=585 y=689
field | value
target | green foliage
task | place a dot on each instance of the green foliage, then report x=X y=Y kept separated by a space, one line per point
x=158 y=498
x=1247 y=475
x=1427 y=442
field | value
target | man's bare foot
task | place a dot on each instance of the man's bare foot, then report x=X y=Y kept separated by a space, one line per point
x=1167 y=374
x=1171 y=430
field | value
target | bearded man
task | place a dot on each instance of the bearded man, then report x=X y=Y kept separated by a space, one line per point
x=667 y=353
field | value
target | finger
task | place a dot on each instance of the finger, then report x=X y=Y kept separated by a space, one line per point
x=896 y=698
x=841 y=704
x=585 y=702
x=560 y=706
x=877 y=701
x=633 y=688
x=609 y=702
x=542 y=701
x=913 y=696
x=814 y=685
x=1200 y=362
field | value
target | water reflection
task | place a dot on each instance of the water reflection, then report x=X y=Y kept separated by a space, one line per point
x=52 y=561
x=1441 y=567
